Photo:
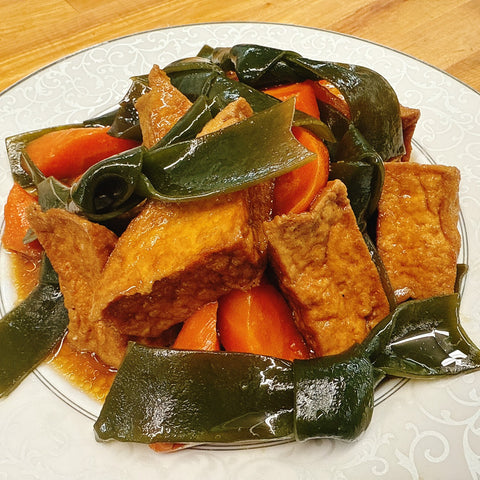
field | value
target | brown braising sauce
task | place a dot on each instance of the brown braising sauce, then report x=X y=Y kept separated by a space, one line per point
x=25 y=271
x=82 y=369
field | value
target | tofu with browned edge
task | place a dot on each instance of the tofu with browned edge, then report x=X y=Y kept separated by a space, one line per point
x=175 y=257
x=78 y=250
x=417 y=234
x=325 y=270
x=160 y=108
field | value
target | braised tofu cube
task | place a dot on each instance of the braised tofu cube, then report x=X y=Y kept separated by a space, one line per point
x=417 y=234
x=78 y=250
x=175 y=257
x=325 y=270
x=160 y=108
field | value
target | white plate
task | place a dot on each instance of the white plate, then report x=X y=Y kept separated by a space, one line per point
x=424 y=430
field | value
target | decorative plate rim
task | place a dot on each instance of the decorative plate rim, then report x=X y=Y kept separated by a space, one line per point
x=405 y=393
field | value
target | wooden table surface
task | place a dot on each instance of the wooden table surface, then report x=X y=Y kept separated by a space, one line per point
x=444 y=33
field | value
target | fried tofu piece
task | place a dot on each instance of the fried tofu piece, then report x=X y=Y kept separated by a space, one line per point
x=160 y=108
x=175 y=257
x=325 y=270
x=409 y=117
x=234 y=112
x=78 y=250
x=417 y=235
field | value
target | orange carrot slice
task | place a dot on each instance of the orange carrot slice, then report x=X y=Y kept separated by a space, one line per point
x=259 y=321
x=326 y=92
x=65 y=154
x=294 y=191
x=303 y=92
x=199 y=332
x=16 y=223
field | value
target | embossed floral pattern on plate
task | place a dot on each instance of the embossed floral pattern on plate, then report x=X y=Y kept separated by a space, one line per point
x=424 y=430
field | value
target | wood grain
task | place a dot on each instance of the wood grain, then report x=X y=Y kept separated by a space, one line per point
x=444 y=33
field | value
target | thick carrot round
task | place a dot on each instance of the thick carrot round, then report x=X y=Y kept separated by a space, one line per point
x=199 y=332
x=65 y=154
x=259 y=321
x=294 y=191
x=326 y=92
x=16 y=223
x=304 y=94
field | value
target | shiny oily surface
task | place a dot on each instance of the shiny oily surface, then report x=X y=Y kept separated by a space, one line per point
x=397 y=431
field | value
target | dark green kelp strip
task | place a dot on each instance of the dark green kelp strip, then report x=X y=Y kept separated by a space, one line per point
x=30 y=331
x=182 y=396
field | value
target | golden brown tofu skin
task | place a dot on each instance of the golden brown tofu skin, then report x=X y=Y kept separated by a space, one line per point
x=409 y=117
x=173 y=258
x=417 y=235
x=78 y=250
x=234 y=112
x=325 y=271
x=160 y=108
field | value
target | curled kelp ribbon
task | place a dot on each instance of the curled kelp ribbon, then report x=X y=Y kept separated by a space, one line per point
x=220 y=397
x=181 y=168
x=108 y=189
x=185 y=396
x=359 y=144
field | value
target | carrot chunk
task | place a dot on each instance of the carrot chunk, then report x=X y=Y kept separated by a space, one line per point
x=326 y=92
x=304 y=94
x=259 y=321
x=294 y=191
x=65 y=154
x=199 y=332
x=16 y=223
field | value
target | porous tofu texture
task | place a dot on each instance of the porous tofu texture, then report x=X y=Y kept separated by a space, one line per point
x=160 y=108
x=325 y=270
x=78 y=250
x=417 y=235
x=175 y=257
